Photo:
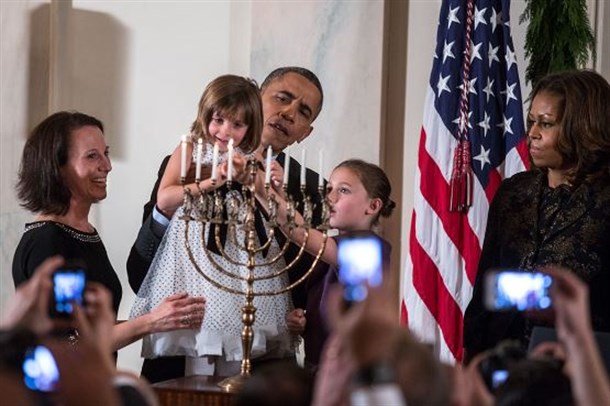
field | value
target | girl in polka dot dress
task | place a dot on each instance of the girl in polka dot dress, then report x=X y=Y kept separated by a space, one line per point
x=229 y=109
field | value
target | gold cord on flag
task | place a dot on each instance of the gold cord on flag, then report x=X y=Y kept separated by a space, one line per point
x=461 y=177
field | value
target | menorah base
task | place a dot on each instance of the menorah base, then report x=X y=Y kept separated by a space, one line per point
x=233 y=383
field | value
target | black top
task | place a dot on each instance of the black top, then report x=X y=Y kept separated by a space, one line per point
x=43 y=239
x=531 y=225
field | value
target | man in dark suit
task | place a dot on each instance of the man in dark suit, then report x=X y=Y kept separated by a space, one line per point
x=292 y=99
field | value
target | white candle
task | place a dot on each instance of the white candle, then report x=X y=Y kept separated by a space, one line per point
x=230 y=161
x=183 y=157
x=303 y=167
x=320 y=177
x=286 y=166
x=268 y=166
x=198 y=161
x=215 y=161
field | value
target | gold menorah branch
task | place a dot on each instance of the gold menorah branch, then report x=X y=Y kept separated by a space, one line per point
x=209 y=208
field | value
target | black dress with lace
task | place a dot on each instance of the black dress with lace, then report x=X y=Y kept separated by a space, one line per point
x=531 y=225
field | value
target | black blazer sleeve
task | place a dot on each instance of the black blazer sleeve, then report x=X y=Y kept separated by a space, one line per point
x=147 y=242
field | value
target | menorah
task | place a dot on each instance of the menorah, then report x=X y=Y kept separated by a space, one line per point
x=224 y=210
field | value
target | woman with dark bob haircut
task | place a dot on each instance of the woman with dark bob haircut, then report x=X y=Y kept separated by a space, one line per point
x=558 y=213
x=63 y=171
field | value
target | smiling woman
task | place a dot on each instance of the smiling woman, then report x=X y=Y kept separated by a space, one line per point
x=88 y=165
x=64 y=169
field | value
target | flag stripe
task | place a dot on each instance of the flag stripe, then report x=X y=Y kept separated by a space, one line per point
x=435 y=295
x=442 y=252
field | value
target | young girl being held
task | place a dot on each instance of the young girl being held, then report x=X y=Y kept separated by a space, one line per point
x=230 y=111
x=358 y=194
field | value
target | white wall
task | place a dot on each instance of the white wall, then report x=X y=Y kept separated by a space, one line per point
x=24 y=67
x=342 y=42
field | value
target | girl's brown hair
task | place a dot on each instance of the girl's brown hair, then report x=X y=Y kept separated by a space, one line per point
x=375 y=181
x=231 y=96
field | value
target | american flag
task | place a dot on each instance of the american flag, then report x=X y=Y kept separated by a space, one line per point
x=472 y=129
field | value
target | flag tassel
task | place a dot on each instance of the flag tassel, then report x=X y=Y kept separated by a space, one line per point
x=461 y=179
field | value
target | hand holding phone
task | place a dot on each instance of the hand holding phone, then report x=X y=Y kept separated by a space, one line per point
x=360 y=262
x=68 y=290
x=517 y=289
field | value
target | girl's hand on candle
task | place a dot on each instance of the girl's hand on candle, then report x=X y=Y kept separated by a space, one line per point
x=222 y=171
x=240 y=170
x=260 y=157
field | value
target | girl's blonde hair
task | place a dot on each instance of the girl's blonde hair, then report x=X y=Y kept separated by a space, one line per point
x=231 y=96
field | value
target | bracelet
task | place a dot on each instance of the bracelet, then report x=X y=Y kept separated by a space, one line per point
x=73 y=337
x=379 y=372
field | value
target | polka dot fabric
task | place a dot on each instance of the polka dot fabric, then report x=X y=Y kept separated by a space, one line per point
x=220 y=334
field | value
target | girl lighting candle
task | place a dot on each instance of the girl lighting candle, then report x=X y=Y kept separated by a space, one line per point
x=233 y=101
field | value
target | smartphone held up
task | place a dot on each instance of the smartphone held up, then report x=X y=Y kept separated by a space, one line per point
x=360 y=260
x=517 y=289
x=40 y=372
x=68 y=290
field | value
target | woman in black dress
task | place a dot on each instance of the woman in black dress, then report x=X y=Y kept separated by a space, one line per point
x=558 y=213
x=64 y=170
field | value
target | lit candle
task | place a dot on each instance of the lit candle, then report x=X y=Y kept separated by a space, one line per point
x=230 y=161
x=198 y=161
x=303 y=167
x=268 y=166
x=215 y=162
x=286 y=166
x=320 y=177
x=183 y=157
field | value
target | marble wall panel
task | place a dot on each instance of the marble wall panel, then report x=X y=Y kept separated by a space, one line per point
x=340 y=41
